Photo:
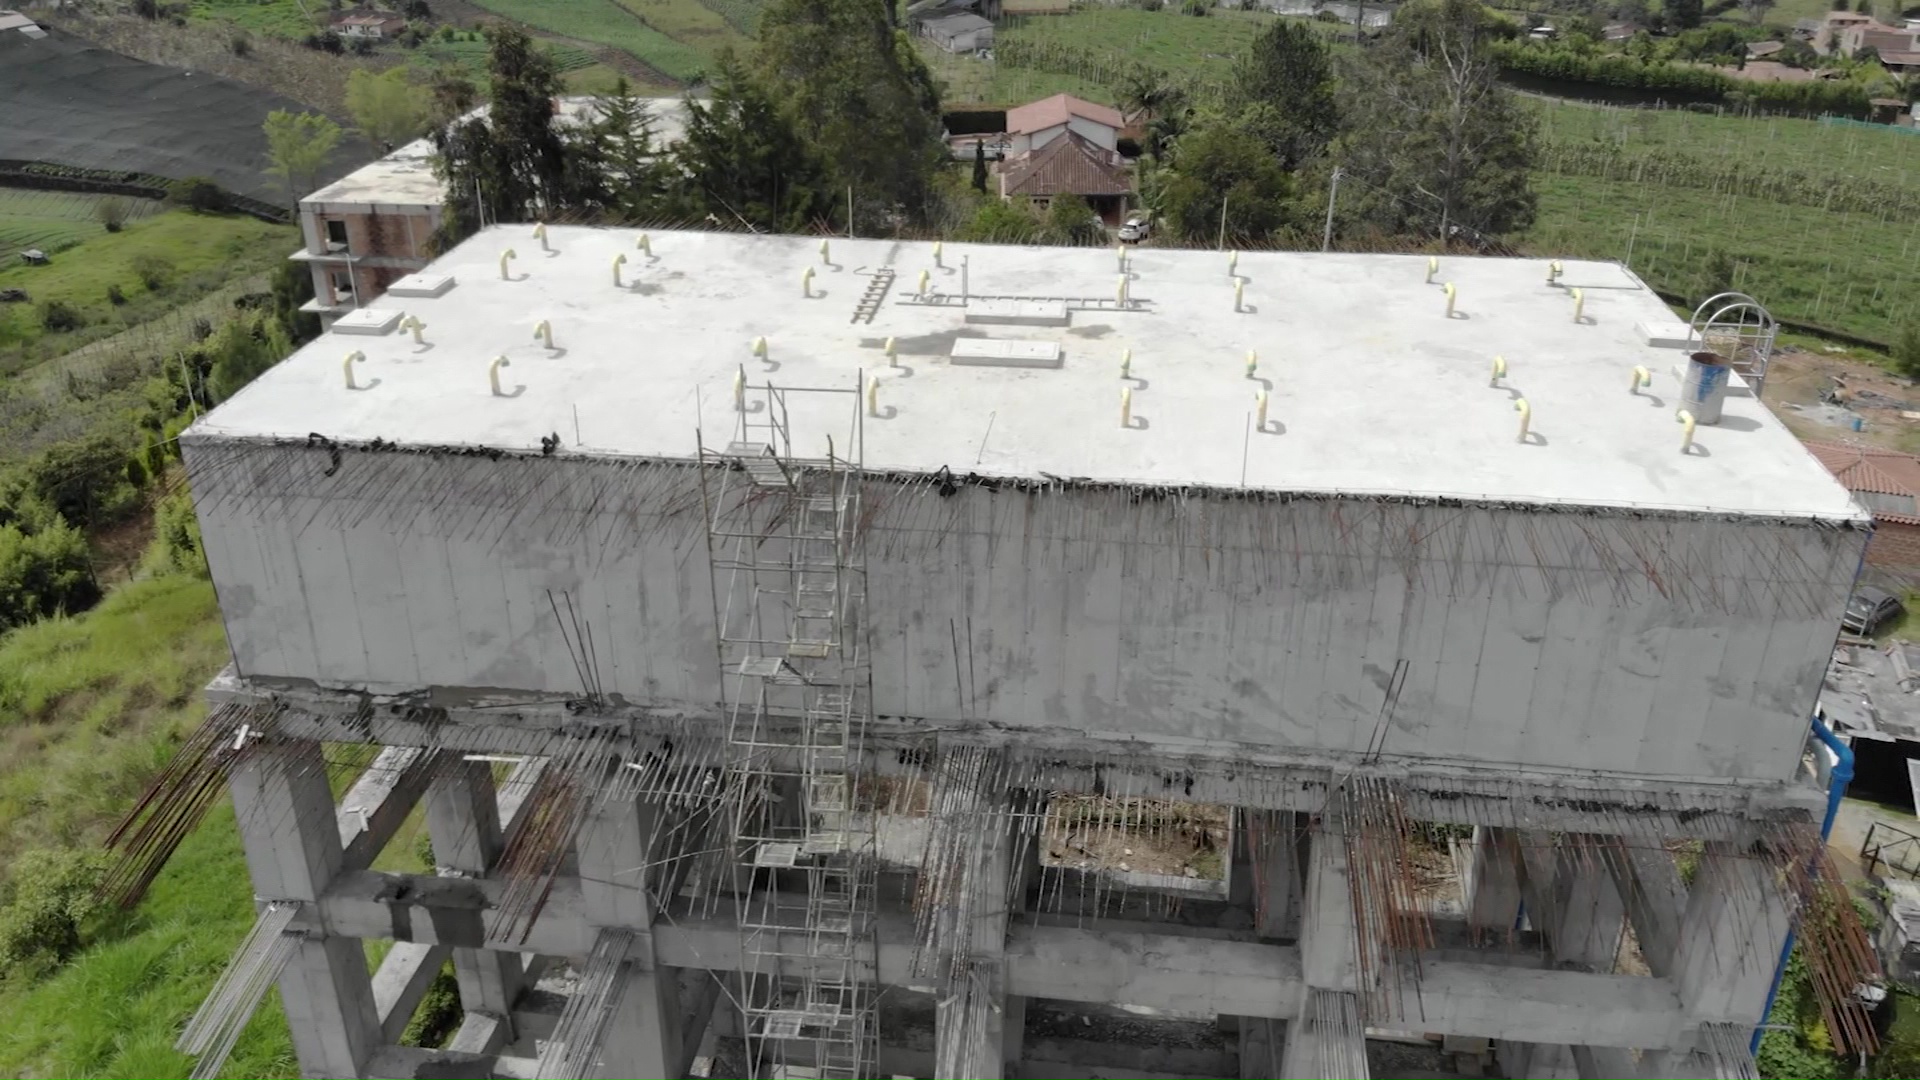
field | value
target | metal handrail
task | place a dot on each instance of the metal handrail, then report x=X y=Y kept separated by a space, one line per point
x=1872 y=854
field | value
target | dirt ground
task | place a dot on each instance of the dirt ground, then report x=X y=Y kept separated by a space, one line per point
x=1141 y=835
x=1887 y=404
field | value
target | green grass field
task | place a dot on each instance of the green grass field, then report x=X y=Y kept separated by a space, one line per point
x=1855 y=270
x=55 y=220
x=278 y=18
x=689 y=22
x=1876 y=152
x=89 y=707
x=965 y=80
x=200 y=252
x=610 y=24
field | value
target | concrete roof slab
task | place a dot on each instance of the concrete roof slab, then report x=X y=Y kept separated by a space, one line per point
x=1373 y=389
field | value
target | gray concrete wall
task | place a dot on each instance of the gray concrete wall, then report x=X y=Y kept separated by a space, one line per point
x=1618 y=643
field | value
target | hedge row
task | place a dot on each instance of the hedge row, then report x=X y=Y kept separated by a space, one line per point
x=1681 y=81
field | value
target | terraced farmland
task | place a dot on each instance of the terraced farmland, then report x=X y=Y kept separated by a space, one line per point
x=54 y=220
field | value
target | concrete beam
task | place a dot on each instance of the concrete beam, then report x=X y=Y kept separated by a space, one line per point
x=378 y=803
x=1138 y=964
x=1492 y=884
x=406 y=972
x=1232 y=775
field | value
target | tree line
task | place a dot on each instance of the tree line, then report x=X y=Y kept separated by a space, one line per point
x=831 y=107
x=1428 y=145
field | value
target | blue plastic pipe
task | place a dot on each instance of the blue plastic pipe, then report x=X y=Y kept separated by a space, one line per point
x=1836 y=790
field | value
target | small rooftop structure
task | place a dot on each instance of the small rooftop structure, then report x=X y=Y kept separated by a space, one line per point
x=960 y=32
x=1037 y=116
x=1759 y=49
x=1373 y=387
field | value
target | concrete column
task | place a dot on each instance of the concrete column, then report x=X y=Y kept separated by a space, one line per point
x=1571 y=900
x=1607 y=1063
x=1262 y=1048
x=285 y=811
x=1265 y=871
x=1735 y=925
x=970 y=1014
x=1655 y=898
x=1492 y=887
x=649 y=1034
x=1328 y=937
x=463 y=818
x=1013 y=1034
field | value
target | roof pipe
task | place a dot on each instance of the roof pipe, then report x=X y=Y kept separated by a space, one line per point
x=740 y=390
x=1126 y=406
x=346 y=365
x=1554 y=270
x=1526 y=416
x=414 y=326
x=1239 y=293
x=937 y=249
x=806 y=282
x=540 y=234
x=893 y=353
x=1453 y=295
x=493 y=374
x=1233 y=264
x=1120 y=256
x=506 y=257
x=619 y=261
x=1260 y=411
x=873 y=394
x=645 y=244
x=1837 y=782
x=1686 y=426
x=1641 y=378
x=1120 y=293
x=543 y=333
x=1126 y=363
x=1253 y=363
x=1579 y=305
x=1499 y=370
x=825 y=256
x=1433 y=267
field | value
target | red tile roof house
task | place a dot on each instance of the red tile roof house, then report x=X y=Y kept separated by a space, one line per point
x=1886 y=482
x=1063 y=145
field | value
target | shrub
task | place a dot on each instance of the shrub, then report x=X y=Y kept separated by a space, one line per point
x=115 y=296
x=112 y=213
x=44 y=573
x=1906 y=352
x=240 y=45
x=154 y=271
x=52 y=895
x=176 y=535
x=82 y=480
x=326 y=41
x=362 y=46
x=198 y=193
x=60 y=316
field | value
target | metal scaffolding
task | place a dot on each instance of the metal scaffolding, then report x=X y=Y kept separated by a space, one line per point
x=789 y=589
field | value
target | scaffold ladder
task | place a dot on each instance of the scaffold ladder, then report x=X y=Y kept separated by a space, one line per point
x=789 y=608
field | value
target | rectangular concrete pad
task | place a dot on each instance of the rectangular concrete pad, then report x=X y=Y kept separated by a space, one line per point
x=1373 y=389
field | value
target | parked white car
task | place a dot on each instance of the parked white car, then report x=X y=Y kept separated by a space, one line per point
x=1139 y=224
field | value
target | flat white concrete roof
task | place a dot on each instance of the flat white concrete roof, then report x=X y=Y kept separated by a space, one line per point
x=1374 y=390
x=405 y=177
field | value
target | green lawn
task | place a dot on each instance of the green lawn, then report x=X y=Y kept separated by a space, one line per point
x=689 y=22
x=55 y=220
x=196 y=252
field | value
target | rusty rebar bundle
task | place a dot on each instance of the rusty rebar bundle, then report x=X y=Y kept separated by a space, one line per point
x=557 y=807
x=177 y=800
x=1391 y=925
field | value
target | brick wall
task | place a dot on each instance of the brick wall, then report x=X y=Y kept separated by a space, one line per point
x=1895 y=545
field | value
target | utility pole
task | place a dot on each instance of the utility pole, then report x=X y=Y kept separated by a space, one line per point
x=1333 y=193
x=1223 y=223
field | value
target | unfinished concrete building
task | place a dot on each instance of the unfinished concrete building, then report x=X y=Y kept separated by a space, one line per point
x=853 y=658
